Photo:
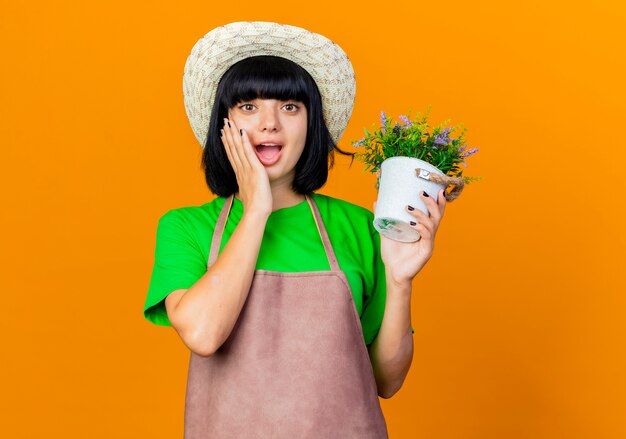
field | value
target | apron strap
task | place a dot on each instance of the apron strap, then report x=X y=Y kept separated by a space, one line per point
x=321 y=228
x=219 y=230
x=216 y=241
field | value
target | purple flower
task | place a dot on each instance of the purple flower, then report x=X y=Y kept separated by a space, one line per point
x=406 y=121
x=469 y=153
x=383 y=121
x=463 y=149
x=359 y=143
x=442 y=138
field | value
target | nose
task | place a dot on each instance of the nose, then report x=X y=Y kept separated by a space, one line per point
x=269 y=119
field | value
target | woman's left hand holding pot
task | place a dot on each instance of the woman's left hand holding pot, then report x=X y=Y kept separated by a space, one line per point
x=403 y=260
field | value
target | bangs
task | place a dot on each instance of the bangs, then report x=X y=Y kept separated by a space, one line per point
x=266 y=77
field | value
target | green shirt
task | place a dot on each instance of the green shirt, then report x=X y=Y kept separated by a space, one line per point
x=291 y=243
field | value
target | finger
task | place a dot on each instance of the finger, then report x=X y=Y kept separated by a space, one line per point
x=237 y=155
x=244 y=148
x=425 y=234
x=422 y=218
x=441 y=201
x=431 y=205
x=229 y=153
x=248 y=149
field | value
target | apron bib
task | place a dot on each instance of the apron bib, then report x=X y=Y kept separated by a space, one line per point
x=295 y=364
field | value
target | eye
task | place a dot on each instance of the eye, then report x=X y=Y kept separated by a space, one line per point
x=293 y=107
x=246 y=105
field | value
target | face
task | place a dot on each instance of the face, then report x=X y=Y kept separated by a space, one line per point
x=277 y=122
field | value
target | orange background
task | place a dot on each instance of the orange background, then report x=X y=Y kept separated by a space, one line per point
x=519 y=315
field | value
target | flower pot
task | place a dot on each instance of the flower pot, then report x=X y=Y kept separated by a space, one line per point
x=399 y=186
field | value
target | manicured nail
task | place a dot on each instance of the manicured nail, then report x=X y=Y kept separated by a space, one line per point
x=413 y=223
x=228 y=123
x=425 y=194
x=241 y=131
x=411 y=207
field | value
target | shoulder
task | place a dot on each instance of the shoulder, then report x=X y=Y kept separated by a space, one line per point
x=191 y=217
x=343 y=205
x=337 y=209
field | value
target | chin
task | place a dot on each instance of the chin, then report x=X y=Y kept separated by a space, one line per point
x=275 y=174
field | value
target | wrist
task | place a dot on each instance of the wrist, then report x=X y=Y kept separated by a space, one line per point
x=256 y=214
x=398 y=281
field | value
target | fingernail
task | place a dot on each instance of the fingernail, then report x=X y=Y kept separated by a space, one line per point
x=411 y=207
x=228 y=122
x=413 y=223
x=425 y=194
x=241 y=131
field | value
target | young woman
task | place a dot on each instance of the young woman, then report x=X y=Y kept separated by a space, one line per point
x=296 y=313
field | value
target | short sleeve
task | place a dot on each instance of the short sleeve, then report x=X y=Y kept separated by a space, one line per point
x=374 y=306
x=178 y=264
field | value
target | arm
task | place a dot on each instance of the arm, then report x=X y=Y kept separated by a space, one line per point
x=204 y=314
x=391 y=352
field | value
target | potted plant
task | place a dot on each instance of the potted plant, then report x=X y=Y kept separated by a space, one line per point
x=408 y=158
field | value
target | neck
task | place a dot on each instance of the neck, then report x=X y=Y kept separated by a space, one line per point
x=281 y=200
x=282 y=196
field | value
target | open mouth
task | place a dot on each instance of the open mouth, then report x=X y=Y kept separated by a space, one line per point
x=268 y=153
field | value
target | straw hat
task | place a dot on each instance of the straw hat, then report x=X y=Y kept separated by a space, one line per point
x=222 y=47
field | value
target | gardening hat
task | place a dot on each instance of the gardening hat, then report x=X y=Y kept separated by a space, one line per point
x=214 y=53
